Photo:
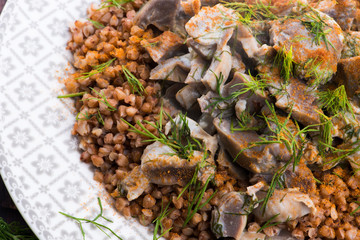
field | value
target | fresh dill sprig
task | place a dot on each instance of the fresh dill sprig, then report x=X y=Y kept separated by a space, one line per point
x=293 y=139
x=86 y=116
x=150 y=44
x=325 y=133
x=163 y=213
x=252 y=85
x=133 y=81
x=276 y=181
x=96 y=24
x=312 y=72
x=285 y=61
x=357 y=209
x=317 y=180
x=243 y=121
x=335 y=101
x=79 y=94
x=103 y=99
x=179 y=140
x=248 y=12
x=100 y=118
x=316 y=26
x=94 y=222
x=198 y=190
x=195 y=204
x=269 y=224
x=114 y=3
x=14 y=231
x=347 y=152
x=97 y=69
x=193 y=180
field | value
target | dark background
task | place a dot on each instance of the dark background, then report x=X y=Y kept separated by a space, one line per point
x=8 y=210
x=2 y=2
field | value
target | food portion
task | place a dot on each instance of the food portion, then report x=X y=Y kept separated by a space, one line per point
x=223 y=119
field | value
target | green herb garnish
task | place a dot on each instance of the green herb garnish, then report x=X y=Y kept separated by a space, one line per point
x=357 y=209
x=103 y=99
x=79 y=94
x=163 y=213
x=97 y=69
x=195 y=204
x=243 y=121
x=317 y=180
x=248 y=12
x=96 y=23
x=179 y=140
x=317 y=77
x=94 y=222
x=14 y=231
x=293 y=139
x=347 y=152
x=133 y=81
x=325 y=132
x=99 y=118
x=335 y=101
x=198 y=190
x=252 y=85
x=268 y=223
x=85 y=117
x=114 y=3
x=316 y=26
x=285 y=61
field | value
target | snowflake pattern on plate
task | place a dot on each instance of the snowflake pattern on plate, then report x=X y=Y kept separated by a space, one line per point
x=7 y=66
x=39 y=158
x=20 y=137
x=44 y=165
x=37 y=5
x=45 y=211
x=3 y=111
x=71 y=191
x=26 y=91
x=30 y=46
x=51 y=117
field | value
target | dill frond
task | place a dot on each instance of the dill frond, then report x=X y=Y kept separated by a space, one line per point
x=285 y=61
x=94 y=222
x=346 y=152
x=158 y=221
x=357 y=209
x=243 y=121
x=268 y=223
x=195 y=203
x=133 y=81
x=198 y=190
x=246 y=12
x=254 y=84
x=312 y=72
x=335 y=101
x=86 y=116
x=103 y=99
x=114 y=3
x=97 y=69
x=79 y=94
x=100 y=118
x=96 y=24
x=325 y=133
x=293 y=139
x=179 y=140
x=316 y=26
x=14 y=231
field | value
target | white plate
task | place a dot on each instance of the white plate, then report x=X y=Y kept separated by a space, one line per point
x=39 y=160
